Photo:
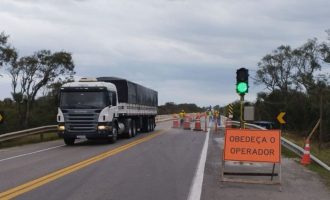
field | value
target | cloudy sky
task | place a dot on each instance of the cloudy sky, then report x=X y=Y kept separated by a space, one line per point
x=187 y=50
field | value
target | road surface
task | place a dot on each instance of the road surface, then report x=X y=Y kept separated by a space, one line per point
x=165 y=164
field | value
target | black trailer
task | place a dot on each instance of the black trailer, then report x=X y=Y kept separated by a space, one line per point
x=132 y=93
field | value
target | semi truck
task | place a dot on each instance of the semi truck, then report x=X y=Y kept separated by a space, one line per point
x=105 y=108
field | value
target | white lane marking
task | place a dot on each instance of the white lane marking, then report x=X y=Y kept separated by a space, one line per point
x=34 y=152
x=196 y=188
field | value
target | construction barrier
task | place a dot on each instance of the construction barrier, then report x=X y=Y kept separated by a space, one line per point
x=175 y=122
x=186 y=123
x=198 y=126
x=205 y=123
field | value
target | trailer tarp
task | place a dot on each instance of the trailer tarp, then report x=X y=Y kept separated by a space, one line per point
x=132 y=93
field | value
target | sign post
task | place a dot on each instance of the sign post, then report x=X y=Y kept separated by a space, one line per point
x=245 y=145
x=230 y=111
x=248 y=113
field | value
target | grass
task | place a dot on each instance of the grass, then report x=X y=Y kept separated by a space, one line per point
x=29 y=140
x=323 y=154
x=287 y=153
x=325 y=174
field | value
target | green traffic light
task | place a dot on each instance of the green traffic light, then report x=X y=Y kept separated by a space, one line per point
x=242 y=87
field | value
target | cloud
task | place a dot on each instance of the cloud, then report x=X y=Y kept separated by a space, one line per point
x=188 y=50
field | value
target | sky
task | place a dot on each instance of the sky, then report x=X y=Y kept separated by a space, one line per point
x=187 y=50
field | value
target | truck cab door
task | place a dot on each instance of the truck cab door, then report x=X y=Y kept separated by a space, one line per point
x=113 y=111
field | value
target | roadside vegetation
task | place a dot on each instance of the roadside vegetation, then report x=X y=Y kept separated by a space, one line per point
x=35 y=82
x=171 y=108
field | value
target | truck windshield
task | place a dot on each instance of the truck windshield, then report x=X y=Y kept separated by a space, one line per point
x=82 y=99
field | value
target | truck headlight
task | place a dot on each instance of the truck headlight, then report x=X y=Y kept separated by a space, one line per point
x=61 y=127
x=101 y=127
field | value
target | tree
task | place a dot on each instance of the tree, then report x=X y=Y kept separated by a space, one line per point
x=275 y=70
x=307 y=60
x=32 y=73
x=8 y=55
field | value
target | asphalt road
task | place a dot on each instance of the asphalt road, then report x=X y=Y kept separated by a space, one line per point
x=166 y=164
x=160 y=168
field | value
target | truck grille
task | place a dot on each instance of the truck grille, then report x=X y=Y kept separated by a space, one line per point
x=81 y=122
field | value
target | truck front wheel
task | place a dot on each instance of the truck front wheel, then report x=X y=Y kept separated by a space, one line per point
x=113 y=139
x=69 y=141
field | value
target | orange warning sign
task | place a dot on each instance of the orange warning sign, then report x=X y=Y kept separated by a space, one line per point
x=253 y=145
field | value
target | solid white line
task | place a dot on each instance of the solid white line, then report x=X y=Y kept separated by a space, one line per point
x=34 y=152
x=196 y=188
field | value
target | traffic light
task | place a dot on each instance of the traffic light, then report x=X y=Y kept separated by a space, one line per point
x=242 y=81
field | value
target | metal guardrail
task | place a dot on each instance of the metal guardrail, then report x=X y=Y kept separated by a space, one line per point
x=52 y=128
x=27 y=132
x=288 y=144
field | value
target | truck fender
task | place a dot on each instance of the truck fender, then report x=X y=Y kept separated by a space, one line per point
x=60 y=116
x=105 y=115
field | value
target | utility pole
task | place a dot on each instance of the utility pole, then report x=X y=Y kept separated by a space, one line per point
x=321 y=118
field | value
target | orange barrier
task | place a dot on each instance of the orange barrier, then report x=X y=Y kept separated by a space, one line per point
x=175 y=122
x=198 y=123
x=252 y=145
x=186 y=123
x=306 y=159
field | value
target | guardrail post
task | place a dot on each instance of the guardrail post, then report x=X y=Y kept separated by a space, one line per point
x=42 y=136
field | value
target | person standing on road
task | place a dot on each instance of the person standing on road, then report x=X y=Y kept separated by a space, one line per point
x=182 y=116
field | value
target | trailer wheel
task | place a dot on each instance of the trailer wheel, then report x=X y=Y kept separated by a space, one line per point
x=145 y=124
x=129 y=128
x=153 y=125
x=69 y=141
x=149 y=125
x=113 y=139
x=133 y=128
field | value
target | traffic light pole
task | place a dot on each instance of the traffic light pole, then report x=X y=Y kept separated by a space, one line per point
x=242 y=114
x=242 y=87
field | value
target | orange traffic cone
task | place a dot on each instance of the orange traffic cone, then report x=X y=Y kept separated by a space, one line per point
x=175 y=122
x=198 y=123
x=186 y=123
x=306 y=159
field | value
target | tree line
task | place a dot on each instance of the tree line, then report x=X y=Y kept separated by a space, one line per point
x=35 y=80
x=171 y=108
